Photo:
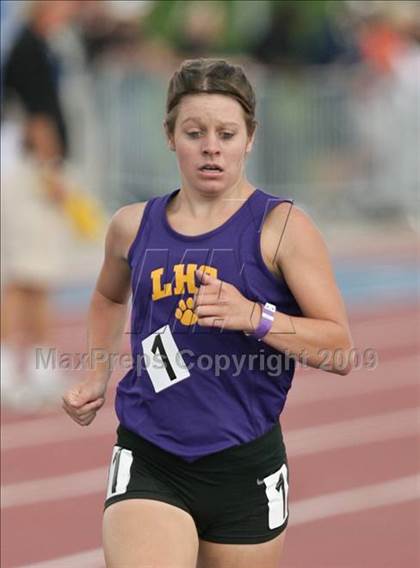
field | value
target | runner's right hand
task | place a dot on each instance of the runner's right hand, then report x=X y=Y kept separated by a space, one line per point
x=83 y=401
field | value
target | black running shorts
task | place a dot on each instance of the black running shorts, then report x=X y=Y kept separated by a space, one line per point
x=235 y=496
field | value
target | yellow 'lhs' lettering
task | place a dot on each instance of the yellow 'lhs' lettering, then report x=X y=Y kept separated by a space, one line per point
x=158 y=291
x=184 y=280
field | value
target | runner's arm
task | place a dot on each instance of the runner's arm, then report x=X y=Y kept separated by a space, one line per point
x=322 y=337
x=107 y=317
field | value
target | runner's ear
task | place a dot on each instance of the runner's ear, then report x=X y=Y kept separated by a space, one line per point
x=169 y=138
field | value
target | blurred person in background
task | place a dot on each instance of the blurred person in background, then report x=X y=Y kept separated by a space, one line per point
x=304 y=33
x=204 y=29
x=111 y=29
x=193 y=29
x=33 y=195
x=385 y=32
x=385 y=103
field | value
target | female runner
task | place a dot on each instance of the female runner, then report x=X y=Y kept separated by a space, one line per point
x=229 y=286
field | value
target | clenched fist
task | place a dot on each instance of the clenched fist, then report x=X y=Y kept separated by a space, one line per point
x=83 y=401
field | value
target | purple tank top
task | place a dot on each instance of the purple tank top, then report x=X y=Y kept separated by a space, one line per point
x=197 y=390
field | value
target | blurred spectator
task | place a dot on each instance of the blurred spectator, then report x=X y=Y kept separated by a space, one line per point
x=10 y=21
x=303 y=33
x=31 y=78
x=380 y=42
x=111 y=28
x=386 y=31
x=33 y=195
x=193 y=29
x=204 y=29
x=386 y=105
x=114 y=38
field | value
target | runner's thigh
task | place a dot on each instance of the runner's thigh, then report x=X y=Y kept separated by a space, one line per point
x=142 y=533
x=263 y=555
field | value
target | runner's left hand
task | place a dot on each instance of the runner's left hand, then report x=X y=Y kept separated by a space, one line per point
x=220 y=304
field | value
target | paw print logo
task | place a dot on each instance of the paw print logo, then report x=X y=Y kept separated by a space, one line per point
x=184 y=312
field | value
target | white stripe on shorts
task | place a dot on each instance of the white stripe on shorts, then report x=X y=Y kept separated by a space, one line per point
x=119 y=471
x=276 y=490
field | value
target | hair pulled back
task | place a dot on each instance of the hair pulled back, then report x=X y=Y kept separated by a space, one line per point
x=210 y=76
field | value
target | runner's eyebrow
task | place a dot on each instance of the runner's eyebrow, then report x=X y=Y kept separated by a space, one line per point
x=199 y=120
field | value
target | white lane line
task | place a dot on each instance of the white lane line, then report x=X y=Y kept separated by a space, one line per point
x=313 y=385
x=304 y=441
x=59 y=428
x=402 y=490
x=54 y=488
x=355 y=432
x=394 y=492
x=89 y=559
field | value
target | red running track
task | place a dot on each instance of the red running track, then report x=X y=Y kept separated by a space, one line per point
x=353 y=445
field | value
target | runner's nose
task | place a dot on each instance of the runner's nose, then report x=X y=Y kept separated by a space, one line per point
x=210 y=145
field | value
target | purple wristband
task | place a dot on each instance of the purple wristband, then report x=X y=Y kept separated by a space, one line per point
x=266 y=322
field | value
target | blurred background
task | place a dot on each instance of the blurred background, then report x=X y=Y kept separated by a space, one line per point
x=83 y=87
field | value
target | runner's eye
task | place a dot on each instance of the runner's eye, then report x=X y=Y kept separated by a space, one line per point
x=194 y=134
x=227 y=135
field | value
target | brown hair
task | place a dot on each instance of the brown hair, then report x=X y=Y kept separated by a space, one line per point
x=210 y=76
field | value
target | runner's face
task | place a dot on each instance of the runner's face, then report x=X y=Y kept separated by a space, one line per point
x=211 y=142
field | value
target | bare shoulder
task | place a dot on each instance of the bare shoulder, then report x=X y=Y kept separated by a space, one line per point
x=290 y=229
x=288 y=232
x=127 y=219
x=124 y=226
